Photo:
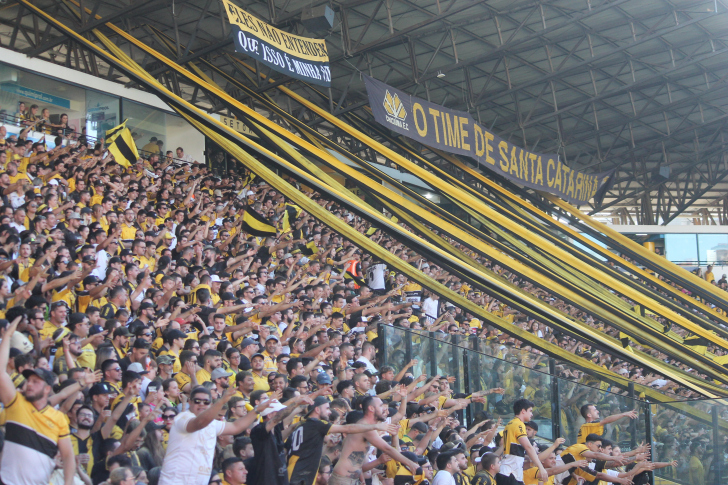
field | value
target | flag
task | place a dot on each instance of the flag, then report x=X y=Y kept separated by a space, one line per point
x=373 y=229
x=257 y=225
x=697 y=343
x=249 y=179
x=625 y=339
x=121 y=145
x=290 y=214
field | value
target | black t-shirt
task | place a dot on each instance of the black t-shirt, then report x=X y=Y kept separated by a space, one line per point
x=270 y=459
x=244 y=362
x=305 y=446
x=263 y=254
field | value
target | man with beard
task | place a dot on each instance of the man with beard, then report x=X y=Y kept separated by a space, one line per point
x=306 y=443
x=221 y=378
x=71 y=352
x=81 y=438
x=35 y=431
x=348 y=469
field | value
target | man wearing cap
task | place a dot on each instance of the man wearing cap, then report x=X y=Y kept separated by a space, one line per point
x=269 y=354
x=35 y=431
x=99 y=395
x=164 y=368
x=146 y=314
x=305 y=445
x=120 y=341
x=221 y=378
x=193 y=437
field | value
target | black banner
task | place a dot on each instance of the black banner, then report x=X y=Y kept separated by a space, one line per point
x=456 y=132
x=295 y=56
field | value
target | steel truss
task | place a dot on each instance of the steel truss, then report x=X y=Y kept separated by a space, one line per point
x=629 y=84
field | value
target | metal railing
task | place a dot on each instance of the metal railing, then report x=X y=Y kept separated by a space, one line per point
x=558 y=391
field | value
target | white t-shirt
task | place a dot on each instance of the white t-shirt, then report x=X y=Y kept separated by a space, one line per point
x=375 y=278
x=443 y=478
x=430 y=308
x=102 y=263
x=189 y=456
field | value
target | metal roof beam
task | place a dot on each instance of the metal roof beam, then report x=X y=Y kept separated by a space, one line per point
x=507 y=45
x=133 y=8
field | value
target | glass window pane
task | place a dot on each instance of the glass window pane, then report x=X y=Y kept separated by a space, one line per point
x=102 y=113
x=681 y=248
x=713 y=248
x=147 y=123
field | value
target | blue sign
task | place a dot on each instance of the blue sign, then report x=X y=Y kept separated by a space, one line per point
x=36 y=95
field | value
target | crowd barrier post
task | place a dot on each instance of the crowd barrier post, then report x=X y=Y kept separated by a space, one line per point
x=467 y=388
x=382 y=341
x=408 y=347
x=648 y=435
x=717 y=447
x=433 y=353
x=632 y=422
x=555 y=400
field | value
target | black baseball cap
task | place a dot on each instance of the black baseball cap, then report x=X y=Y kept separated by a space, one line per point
x=48 y=376
x=141 y=344
x=174 y=334
x=99 y=388
x=91 y=279
x=122 y=331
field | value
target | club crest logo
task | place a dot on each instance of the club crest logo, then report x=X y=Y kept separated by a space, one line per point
x=396 y=112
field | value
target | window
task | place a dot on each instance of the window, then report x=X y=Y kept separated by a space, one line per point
x=681 y=248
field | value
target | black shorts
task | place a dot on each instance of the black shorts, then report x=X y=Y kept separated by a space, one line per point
x=501 y=479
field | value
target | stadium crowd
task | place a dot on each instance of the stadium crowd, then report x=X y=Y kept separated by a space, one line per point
x=154 y=332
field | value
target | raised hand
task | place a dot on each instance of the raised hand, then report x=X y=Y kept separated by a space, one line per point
x=392 y=429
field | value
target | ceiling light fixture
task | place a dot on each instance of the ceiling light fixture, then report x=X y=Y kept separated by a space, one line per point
x=440 y=74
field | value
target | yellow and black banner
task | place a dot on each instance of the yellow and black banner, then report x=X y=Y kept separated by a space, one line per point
x=257 y=225
x=295 y=56
x=121 y=145
x=457 y=132
x=290 y=215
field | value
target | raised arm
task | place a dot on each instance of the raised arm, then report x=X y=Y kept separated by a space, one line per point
x=392 y=429
x=617 y=417
x=7 y=388
x=375 y=440
x=239 y=425
x=542 y=475
x=205 y=417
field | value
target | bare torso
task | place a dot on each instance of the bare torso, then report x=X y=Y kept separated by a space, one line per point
x=353 y=455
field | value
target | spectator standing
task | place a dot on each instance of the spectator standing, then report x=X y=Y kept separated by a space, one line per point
x=35 y=431
x=193 y=436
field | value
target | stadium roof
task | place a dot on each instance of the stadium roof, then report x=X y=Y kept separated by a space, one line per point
x=639 y=85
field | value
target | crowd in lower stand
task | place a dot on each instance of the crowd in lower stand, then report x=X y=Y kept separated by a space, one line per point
x=152 y=335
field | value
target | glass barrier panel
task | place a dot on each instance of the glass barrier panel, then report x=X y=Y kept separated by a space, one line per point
x=693 y=433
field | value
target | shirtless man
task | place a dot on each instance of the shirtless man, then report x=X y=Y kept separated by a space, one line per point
x=348 y=469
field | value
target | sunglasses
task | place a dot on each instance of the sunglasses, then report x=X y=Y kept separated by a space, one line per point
x=169 y=416
x=206 y=402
